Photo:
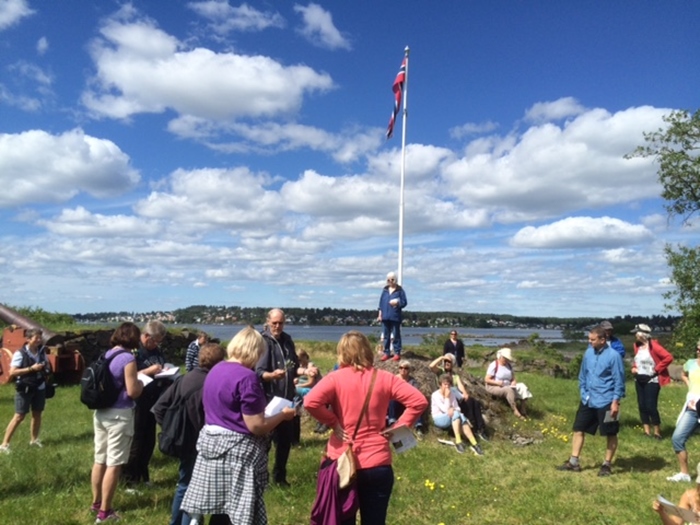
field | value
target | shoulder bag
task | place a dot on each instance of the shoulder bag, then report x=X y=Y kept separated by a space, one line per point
x=346 y=464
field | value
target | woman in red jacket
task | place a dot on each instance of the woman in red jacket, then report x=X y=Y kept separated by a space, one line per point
x=650 y=371
x=344 y=392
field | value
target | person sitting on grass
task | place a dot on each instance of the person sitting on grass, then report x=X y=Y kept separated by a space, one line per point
x=395 y=407
x=470 y=406
x=446 y=414
x=500 y=382
x=305 y=382
x=689 y=500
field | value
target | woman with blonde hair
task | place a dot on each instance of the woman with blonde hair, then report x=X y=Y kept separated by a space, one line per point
x=230 y=474
x=344 y=391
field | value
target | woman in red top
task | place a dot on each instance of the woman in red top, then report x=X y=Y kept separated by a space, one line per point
x=344 y=391
x=650 y=371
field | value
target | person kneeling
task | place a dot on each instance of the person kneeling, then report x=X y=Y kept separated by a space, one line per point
x=446 y=414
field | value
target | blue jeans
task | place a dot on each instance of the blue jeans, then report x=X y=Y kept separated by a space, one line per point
x=648 y=401
x=179 y=517
x=388 y=328
x=396 y=410
x=686 y=427
x=374 y=486
x=444 y=421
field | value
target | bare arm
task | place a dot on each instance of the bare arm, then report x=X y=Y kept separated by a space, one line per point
x=260 y=425
x=133 y=384
x=434 y=366
x=18 y=372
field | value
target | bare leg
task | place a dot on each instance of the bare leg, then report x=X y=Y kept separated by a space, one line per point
x=683 y=461
x=577 y=444
x=109 y=486
x=96 y=477
x=647 y=429
x=610 y=448
x=469 y=434
x=35 y=426
x=657 y=430
x=457 y=429
x=11 y=427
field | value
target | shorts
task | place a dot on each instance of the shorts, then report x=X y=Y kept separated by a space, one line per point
x=35 y=400
x=114 y=430
x=589 y=419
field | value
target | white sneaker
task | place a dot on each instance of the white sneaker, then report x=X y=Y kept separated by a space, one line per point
x=677 y=478
x=35 y=443
x=4 y=449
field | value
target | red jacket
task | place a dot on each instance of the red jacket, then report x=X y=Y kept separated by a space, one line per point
x=662 y=358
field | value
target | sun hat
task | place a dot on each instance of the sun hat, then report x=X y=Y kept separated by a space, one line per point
x=506 y=354
x=644 y=328
x=606 y=325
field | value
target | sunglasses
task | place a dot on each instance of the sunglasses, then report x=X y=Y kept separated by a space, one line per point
x=404 y=368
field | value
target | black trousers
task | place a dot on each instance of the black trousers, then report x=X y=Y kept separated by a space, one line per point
x=282 y=437
x=142 y=446
x=471 y=409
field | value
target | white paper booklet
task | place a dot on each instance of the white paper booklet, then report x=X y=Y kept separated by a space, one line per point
x=402 y=438
x=276 y=405
x=170 y=372
x=686 y=515
x=144 y=378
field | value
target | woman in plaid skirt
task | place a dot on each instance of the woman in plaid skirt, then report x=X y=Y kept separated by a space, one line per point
x=230 y=474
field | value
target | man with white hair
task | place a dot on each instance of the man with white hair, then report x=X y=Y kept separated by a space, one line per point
x=391 y=303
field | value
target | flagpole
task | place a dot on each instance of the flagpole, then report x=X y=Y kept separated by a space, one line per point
x=403 y=170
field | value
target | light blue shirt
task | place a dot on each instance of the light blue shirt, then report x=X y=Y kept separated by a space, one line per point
x=602 y=377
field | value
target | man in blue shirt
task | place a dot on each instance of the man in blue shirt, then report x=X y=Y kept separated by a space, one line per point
x=602 y=384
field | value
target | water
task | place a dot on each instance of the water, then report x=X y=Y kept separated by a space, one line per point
x=410 y=336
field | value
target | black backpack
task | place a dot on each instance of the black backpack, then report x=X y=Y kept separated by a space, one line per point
x=177 y=432
x=97 y=388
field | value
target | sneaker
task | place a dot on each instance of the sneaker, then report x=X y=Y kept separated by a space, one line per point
x=396 y=358
x=95 y=507
x=109 y=515
x=477 y=450
x=4 y=449
x=384 y=358
x=459 y=447
x=569 y=467
x=605 y=471
x=132 y=491
x=482 y=436
x=658 y=437
x=680 y=477
x=419 y=434
x=35 y=443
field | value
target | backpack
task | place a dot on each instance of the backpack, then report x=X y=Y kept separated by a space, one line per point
x=97 y=388
x=177 y=433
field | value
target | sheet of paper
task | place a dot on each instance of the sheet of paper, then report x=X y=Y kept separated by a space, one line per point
x=168 y=373
x=609 y=418
x=402 y=438
x=144 y=378
x=276 y=405
x=686 y=515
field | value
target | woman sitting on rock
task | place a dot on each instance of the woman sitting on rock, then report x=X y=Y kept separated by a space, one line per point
x=500 y=382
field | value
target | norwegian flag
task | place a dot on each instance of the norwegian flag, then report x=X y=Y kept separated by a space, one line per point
x=398 y=93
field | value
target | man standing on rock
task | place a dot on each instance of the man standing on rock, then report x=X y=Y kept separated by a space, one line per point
x=602 y=385
x=277 y=368
x=391 y=303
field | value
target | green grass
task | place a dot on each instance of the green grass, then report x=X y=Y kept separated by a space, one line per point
x=434 y=485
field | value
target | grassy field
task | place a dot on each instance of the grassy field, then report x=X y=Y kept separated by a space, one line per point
x=434 y=485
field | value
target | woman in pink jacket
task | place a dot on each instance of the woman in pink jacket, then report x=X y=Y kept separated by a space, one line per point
x=650 y=371
x=337 y=402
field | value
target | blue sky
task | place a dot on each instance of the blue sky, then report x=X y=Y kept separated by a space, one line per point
x=155 y=155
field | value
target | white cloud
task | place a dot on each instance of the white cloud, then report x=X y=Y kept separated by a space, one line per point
x=225 y=18
x=141 y=69
x=12 y=11
x=40 y=167
x=318 y=28
x=548 y=170
x=556 y=110
x=582 y=232
x=79 y=222
x=42 y=45
x=472 y=128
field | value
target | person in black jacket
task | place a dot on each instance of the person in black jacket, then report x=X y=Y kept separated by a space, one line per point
x=189 y=388
x=454 y=346
x=277 y=369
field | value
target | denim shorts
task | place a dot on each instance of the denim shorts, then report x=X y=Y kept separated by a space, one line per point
x=35 y=400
